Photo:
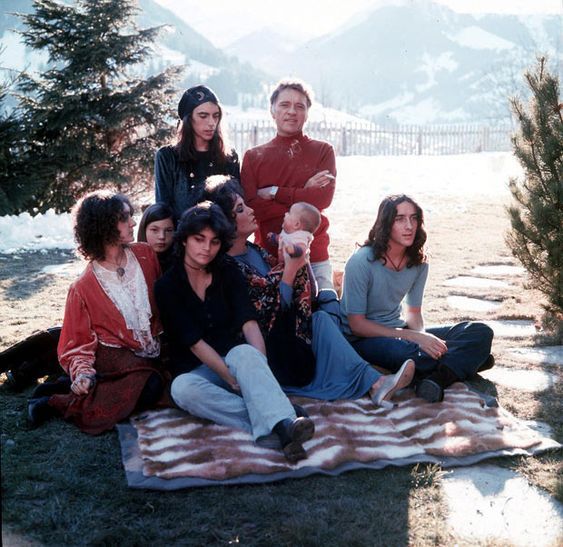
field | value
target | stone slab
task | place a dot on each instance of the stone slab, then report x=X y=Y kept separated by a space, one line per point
x=525 y=380
x=512 y=328
x=548 y=355
x=498 y=269
x=487 y=503
x=476 y=282
x=472 y=304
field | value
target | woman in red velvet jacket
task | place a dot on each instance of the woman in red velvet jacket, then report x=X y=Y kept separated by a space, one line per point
x=109 y=343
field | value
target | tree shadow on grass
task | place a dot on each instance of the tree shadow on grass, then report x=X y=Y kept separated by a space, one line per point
x=23 y=275
x=54 y=503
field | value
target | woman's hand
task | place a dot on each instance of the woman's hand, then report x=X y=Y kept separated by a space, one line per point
x=292 y=265
x=430 y=344
x=82 y=384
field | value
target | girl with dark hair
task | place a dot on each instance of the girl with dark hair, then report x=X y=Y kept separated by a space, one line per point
x=207 y=315
x=156 y=228
x=109 y=343
x=200 y=151
x=306 y=351
x=389 y=267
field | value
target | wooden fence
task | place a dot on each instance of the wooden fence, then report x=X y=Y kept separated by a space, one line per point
x=372 y=140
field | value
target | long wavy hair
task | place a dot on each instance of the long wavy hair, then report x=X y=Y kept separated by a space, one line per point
x=378 y=237
x=219 y=148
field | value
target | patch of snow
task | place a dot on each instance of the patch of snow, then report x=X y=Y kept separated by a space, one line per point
x=432 y=65
x=16 y=56
x=427 y=111
x=396 y=102
x=478 y=38
x=362 y=182
x=44 y=231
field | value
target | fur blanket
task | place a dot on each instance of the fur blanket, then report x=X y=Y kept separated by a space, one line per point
x=170 y=444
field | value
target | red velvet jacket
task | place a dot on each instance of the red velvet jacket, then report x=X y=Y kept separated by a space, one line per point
x=91 y=317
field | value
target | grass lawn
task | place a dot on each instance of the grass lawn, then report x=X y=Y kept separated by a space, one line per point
x=62 y=487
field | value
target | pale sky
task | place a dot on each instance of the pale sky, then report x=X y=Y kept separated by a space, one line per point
x=223 y=21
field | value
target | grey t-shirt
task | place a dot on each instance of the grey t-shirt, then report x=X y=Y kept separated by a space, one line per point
x=377 y=292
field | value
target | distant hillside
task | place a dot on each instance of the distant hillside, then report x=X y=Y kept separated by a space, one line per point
x=234 y=82
x=416 y=63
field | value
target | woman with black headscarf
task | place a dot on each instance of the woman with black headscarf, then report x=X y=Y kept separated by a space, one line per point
x=200 y=151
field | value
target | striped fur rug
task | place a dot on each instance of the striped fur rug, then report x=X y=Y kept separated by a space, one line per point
x=168 y=449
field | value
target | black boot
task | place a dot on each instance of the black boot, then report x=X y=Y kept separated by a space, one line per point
x=300 y=412
x=60 y=386
x=292 y=434
x=488 y=364
x=431 y=389
x=39 y=411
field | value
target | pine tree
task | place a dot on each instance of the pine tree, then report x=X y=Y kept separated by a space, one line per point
x=90 y=122
x=536 y=237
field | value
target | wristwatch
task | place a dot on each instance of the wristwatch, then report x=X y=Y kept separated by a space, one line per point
x=273 y=191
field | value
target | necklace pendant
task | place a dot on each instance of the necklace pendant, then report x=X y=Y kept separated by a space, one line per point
x=120 y=272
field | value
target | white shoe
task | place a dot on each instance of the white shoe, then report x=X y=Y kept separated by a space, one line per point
x=392 y=383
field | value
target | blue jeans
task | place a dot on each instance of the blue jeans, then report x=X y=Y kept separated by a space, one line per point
x=469 y=345
x=323 y=274
x=340 y=372
x=259 y=406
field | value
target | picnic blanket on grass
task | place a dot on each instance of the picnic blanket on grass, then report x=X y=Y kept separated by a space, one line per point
x=169 y=449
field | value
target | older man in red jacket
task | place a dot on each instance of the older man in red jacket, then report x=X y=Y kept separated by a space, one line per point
x=288 y=169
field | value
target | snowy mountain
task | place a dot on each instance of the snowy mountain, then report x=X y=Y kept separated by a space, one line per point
x=406 y=62
x=234 y=82
x=416 y=63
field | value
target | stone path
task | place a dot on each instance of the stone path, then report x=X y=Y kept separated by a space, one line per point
x=472 y=304
x=515 y=328
x=549 y=355
x=498 y=269
x=476 y=282
x=487 y=503
x=526 y=380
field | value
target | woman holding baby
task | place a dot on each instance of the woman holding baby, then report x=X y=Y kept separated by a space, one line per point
x=306 y=351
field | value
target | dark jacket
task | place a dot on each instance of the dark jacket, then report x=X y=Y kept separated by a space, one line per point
x=179 y=185
x=217 y=320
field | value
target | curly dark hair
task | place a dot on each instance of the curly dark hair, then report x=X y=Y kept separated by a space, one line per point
x=154 y=213
x=219 y=148
x=378 y=238
x=223 y=190
x=95 y=222
x=195 y=219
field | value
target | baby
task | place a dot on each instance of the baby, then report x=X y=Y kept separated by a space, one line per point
x=299 y=224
